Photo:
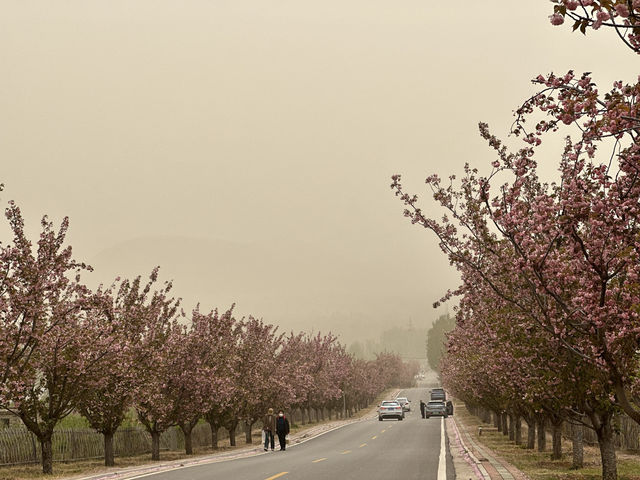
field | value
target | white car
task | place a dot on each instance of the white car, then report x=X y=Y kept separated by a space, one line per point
x=390 y=409
x=405 y=403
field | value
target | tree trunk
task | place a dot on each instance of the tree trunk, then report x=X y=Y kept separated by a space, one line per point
x=155 y=445
x=556 y=435
x=605 y=432
x=485 y=415
x=47 y=453
x=108 y=450
x=518 y=430
x=187 y=428
x=497 y=420
x=512 y=428
x=505 y=424
x=232 y=434
x=577 y=432
x=531 y=433
x=214 y=435
x=248 y=425
x=542 y=434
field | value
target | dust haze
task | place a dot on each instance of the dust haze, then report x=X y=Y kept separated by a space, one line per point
x=246 y=147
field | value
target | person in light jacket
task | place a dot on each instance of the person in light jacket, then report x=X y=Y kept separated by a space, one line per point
x=269 y=427
x=282 y=429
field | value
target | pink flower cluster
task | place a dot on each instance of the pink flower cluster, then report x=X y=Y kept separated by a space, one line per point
x=620 y=15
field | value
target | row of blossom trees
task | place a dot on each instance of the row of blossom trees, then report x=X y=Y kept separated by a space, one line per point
x=548 y=327
x=66 y=348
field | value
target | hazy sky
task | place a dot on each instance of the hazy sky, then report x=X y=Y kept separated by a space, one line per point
x=246 y=147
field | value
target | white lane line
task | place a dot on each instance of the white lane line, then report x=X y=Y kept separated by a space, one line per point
x=442 y=460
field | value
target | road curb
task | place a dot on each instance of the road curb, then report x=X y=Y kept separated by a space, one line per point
x=467 y=454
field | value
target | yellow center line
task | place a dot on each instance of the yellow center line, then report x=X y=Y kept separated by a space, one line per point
x=345 y=452
x=374 y=437
x=277 y=476
x=319 y=460
x=363 y=445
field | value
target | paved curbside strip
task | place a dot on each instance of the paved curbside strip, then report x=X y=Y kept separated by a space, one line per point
x=480 y=458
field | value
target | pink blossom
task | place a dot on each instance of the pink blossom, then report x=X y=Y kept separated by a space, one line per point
x=601 y=17
x=622 y=10
x=572 y=4
x=556 y=19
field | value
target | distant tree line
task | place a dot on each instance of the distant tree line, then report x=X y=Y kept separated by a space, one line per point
x=436 y=340
x=408 y=342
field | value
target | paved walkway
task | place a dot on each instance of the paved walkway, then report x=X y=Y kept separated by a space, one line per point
x=482 y=463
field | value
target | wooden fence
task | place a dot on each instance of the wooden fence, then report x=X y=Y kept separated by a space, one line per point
x=19 y=446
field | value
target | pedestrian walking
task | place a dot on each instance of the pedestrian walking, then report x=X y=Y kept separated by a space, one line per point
x=269 y=428
x=282 y=429
x=423 y=406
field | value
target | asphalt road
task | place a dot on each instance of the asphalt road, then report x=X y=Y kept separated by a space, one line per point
x=367 y=450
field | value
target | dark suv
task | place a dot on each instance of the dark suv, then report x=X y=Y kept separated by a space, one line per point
x=438 y=394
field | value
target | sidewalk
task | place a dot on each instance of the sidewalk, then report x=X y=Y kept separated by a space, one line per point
x=473 y=460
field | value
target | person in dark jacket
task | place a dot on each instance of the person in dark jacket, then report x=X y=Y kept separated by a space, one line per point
x=282 y=429
x=269 y=427
x=423 y=406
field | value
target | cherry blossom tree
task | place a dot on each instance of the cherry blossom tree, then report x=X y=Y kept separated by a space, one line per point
x=325 y=354
x=201 y=379
x=297 y=370
x=109 y=395
x=221 y=332
x=261 y=378
x=51 y=343
x=156 y=346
